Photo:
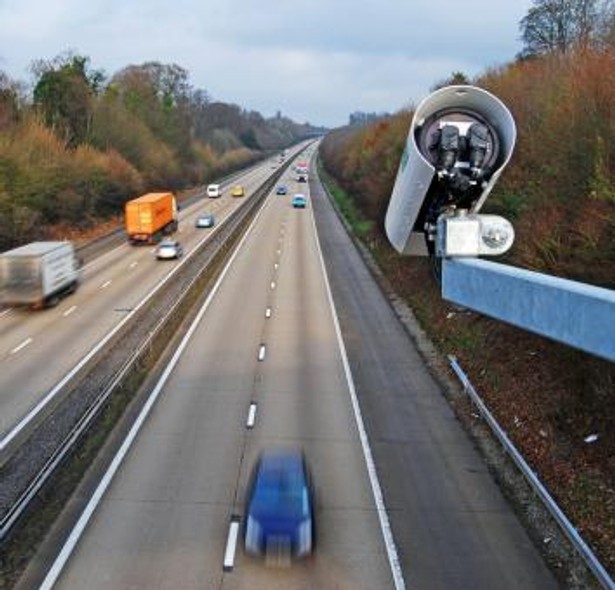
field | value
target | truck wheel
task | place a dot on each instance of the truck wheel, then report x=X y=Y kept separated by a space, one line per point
x=52 y=301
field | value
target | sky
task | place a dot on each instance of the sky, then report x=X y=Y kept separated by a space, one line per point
x=315 y=61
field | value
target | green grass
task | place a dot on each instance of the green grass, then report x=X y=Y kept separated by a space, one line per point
x=361 y=226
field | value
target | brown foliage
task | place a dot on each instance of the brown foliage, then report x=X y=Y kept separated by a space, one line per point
x=559 y=191
x=365 y=161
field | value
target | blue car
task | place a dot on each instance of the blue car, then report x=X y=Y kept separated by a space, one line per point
x=299 y=201
x=281 y=190
x=279 y=516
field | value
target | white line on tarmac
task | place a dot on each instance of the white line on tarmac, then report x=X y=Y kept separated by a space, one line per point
x=24 y=422
x=272 y=285
x=3 y=313
x=251 y=416
x=105 y=284
x=385 y=525
x=69 y=311
x=262 y=351
x=231 y=545
x=268 y=312
x=21 y=346
x=133 y=264
x=73 y=538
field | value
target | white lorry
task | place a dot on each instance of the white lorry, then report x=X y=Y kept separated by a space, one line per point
x=38 y=274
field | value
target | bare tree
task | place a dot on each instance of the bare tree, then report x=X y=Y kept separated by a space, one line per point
x=562 y=25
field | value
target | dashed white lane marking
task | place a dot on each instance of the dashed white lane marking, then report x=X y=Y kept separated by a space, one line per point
x=105 y=284
x=251 y=416
x=262 y=351
x=133 y=264
x=69 y=311
x=272 y=285
x=21 y=346
x=268 y=312
x=279 y=252
x=231 y=545
x=276 y=266
x=71 y=542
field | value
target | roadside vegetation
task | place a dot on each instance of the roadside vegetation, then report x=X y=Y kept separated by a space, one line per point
x=557 y=404
x=78 y=144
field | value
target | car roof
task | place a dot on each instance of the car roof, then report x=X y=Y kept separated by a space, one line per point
x=280 y=486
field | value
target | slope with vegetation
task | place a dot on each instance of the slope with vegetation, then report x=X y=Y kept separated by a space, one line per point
x=81 y=145
x=557 y=404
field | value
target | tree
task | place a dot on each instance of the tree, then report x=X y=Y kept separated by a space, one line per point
x=9 y=101
x=561 y=25
x=159 y=95
x=64 y=93
x=455 y=79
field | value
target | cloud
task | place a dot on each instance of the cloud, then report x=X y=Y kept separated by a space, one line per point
x=316 y=60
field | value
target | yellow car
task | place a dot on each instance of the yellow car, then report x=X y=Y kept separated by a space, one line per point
x=238 y=191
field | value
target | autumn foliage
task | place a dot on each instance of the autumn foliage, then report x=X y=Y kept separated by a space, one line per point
x=559 y=192
x=84 y=144
x=559 y=189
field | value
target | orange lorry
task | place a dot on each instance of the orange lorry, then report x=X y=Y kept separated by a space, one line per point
x=149 y=217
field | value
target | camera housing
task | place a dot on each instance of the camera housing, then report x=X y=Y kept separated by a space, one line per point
x=460 y=140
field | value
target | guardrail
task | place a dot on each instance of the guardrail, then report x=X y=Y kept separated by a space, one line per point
x=142 y=341
x=556 y=512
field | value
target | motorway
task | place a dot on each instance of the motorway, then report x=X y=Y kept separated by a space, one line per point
x=38 y=349
x=165 y=518
x=268 y=335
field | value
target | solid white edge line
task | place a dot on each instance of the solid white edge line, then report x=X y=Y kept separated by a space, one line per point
x=231 y=546
x=251 y=416
x=78 y=530
x=385 y=525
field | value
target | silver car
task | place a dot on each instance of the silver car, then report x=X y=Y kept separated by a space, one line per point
x=169 y=249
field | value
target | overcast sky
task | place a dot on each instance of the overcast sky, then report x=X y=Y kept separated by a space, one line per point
x=315 y=60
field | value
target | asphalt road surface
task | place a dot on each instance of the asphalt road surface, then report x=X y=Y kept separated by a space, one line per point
x=164 y=520
x=39 y=348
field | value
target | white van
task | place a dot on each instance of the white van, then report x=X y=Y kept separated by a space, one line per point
x=213 y=190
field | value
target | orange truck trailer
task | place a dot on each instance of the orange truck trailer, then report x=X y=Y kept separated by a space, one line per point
x=149 y=217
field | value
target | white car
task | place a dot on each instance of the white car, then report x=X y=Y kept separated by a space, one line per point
x=169 y=249
x=214 y=190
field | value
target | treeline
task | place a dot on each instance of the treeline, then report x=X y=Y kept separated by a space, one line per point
x=559 y=192
x=559 y=189
x=80 y=144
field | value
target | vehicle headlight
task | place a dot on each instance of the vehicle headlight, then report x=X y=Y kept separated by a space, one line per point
x=304 y=545
x=253 y=535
